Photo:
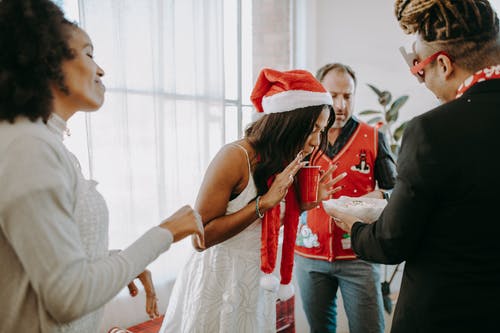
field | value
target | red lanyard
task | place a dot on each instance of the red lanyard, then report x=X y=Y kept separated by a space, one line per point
x=488 y=73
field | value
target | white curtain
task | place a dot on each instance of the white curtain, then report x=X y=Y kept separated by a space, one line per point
x=162 y=120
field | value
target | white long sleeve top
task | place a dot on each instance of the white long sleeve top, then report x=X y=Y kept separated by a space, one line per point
x=49 y=278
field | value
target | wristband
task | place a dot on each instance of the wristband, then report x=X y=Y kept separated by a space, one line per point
x=257 y=211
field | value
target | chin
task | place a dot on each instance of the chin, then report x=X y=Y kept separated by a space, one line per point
x=96 y=103
x=94 y=106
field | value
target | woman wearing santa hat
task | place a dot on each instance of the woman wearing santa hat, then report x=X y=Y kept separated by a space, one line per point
x=227 y=286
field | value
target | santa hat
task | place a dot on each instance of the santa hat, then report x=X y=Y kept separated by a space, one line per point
x=277 y=91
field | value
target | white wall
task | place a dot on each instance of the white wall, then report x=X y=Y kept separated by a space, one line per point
x=365 y=35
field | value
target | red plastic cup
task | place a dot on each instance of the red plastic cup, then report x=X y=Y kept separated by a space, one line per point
x=308 y=183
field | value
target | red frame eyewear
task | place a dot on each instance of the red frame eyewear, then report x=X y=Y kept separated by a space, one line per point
x=417 y=67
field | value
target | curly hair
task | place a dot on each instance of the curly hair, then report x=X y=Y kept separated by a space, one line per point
x=278 y=137
x=34 y=41
x=465 y=29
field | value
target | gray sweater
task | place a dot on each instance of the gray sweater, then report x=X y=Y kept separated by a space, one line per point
x=47 y=279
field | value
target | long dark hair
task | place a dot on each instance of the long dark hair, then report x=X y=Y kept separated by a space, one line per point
x=278 y=137
x=34 y=42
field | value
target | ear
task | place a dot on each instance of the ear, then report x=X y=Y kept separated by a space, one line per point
x=445 y=64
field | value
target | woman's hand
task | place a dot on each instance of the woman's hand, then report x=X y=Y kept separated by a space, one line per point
x=326 y=182
x=343 y=220
x=281 y=183
x=183 y=223
x=151 y=299
x=197 y=244
x=325 y=187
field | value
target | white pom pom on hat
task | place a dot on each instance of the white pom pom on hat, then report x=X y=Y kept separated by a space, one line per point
x=271 y=283
x=286 y=291
x=277 y=91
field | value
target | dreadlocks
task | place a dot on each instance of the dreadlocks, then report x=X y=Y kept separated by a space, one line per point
x=466 y=29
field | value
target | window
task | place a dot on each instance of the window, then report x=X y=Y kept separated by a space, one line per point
x=178 y=78
x=496 y=5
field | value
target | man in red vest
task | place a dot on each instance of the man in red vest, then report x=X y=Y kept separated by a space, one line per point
x=324 y=258
x=442 y=219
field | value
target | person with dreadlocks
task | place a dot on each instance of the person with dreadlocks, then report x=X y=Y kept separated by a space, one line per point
x=439 y=217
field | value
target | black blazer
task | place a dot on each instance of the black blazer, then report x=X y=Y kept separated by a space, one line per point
x=443 y=218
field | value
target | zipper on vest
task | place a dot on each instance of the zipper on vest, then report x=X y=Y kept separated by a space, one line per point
x=330 y=227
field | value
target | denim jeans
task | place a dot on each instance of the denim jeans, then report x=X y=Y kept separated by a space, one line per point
x=359 y=283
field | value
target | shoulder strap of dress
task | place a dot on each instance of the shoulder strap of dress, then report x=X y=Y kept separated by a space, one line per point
x=248 y=158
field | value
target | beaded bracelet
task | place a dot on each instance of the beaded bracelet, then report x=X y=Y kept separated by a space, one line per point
x=257 y=211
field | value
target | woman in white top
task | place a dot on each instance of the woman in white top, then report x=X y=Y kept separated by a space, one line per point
x=57 y=272
x=218 y=290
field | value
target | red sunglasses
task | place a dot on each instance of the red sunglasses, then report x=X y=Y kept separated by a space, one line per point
x=417 y=67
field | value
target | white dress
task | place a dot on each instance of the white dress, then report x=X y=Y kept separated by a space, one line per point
x=91 y=216
x=218 y=290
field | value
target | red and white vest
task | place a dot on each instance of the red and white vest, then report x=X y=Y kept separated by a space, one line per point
x=318 y=237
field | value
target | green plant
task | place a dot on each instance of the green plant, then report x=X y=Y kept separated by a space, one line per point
x=386 y=118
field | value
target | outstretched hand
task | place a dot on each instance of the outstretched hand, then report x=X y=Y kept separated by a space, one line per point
x=325 y=187
x=326 y=182
x=281 y=183
x=183 y=223
x=151 y=299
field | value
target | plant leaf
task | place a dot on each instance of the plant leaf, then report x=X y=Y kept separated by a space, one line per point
x=375 y=120
x=385 y=98
x=376 y=90
x=367 y=112
x=393 y=112
x=398 y=133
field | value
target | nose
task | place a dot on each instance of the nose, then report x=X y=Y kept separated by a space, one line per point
x=339 y=103
x=100 y=71
x=315 y=140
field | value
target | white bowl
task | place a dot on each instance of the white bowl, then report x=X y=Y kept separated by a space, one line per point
x=366 y=209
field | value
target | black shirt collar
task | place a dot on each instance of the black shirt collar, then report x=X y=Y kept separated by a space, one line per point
x=345 y=134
